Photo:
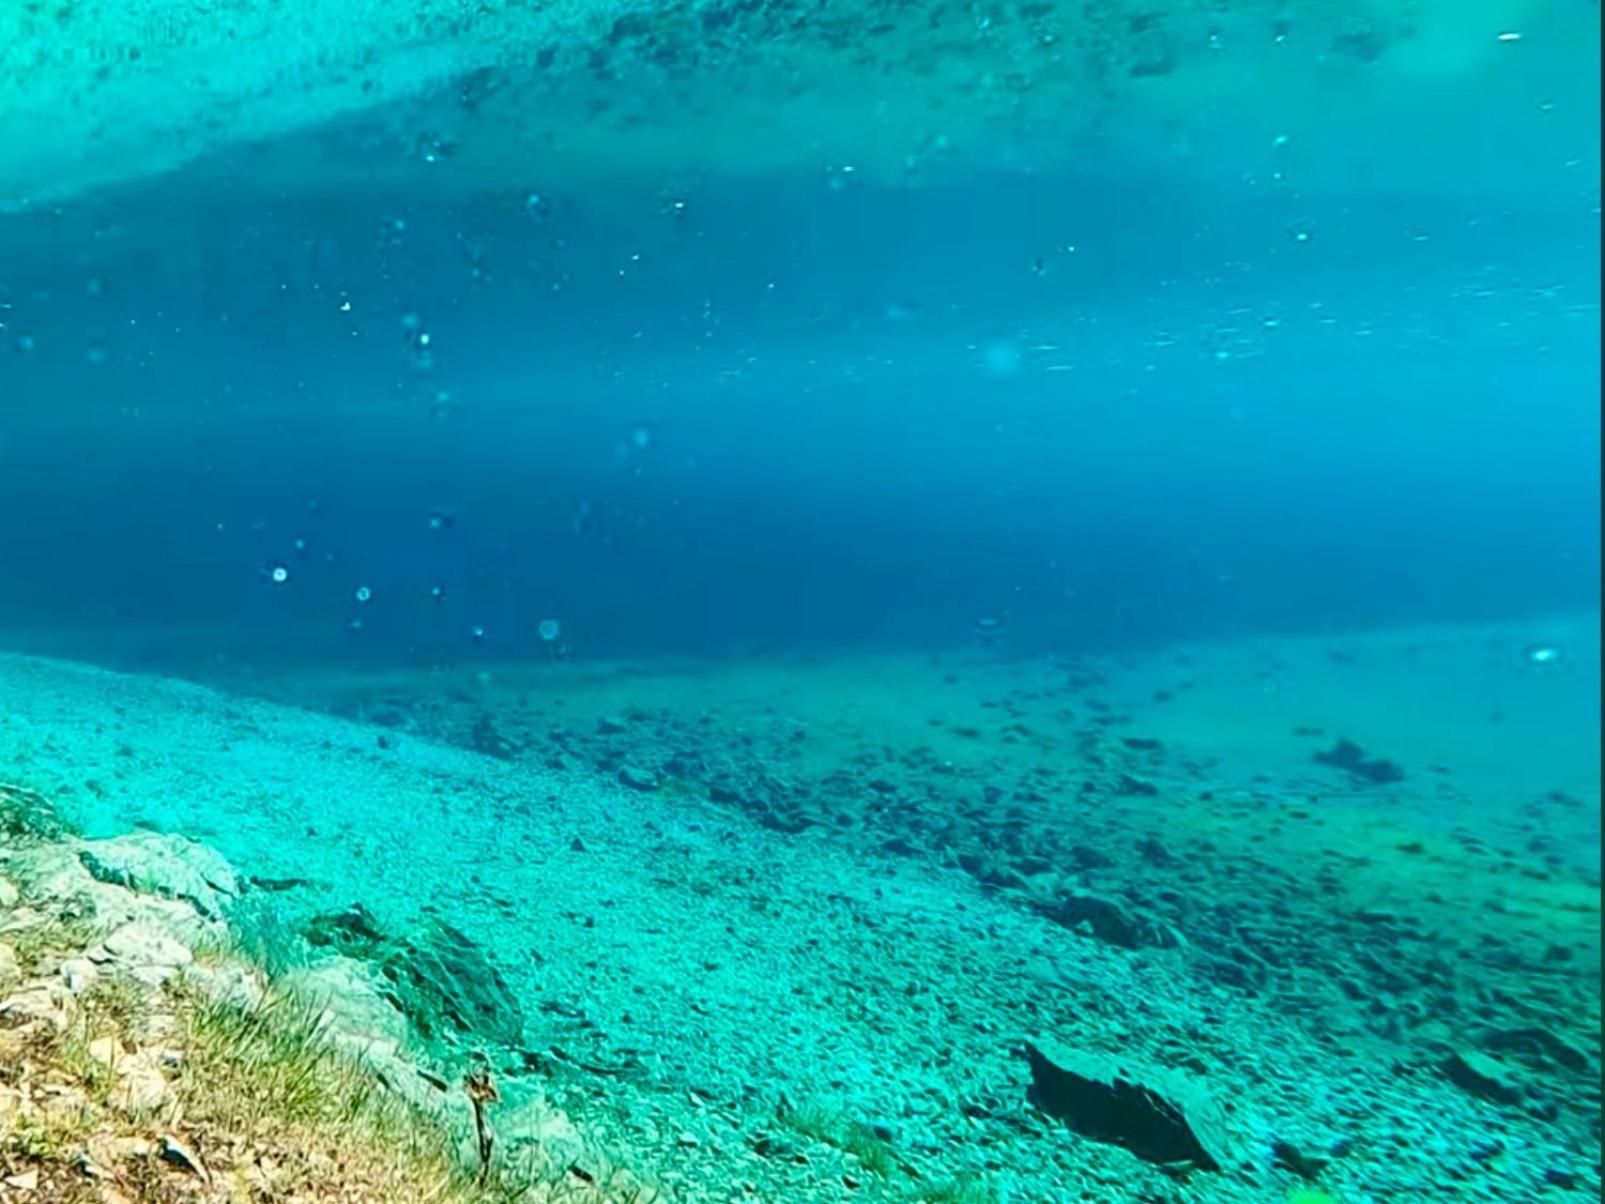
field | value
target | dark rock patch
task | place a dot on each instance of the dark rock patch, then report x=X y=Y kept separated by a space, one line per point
x=1350 y=757
x=1482 y=1076
x=1103 y=1103
x=638 y=779
x=1129 y=786
x=1108 y=922
x=484 y=738
x=439 y=979
x=1536 y=1044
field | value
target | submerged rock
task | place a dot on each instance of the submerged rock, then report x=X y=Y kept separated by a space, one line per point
x=438 y=978
x=1538 y=1045
x=1350 y=757
x=1108 y=922
x=638 y=779
x=484 y=738
x=1102 y=1102
x=165 y=865
x=1482 y=1076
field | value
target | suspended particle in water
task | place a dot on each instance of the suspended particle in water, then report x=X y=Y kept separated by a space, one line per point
x=641 y=437
x=1002 y=358
x=364 y=594
x=277 y=573
x=441 y=520
x=477 y=632
x=1541 y=654
x=437 y=593
x=550 y=629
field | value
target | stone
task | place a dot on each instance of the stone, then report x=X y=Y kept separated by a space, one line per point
x=141 y=1085
x=1290 y=1157
x=1104 y=1102
x=8 y=893
x=1535 y=1043
x=22 y=919
x=1108 y=922
x=130 y=1147
x=180 y=1155
x=438 y=978
x=144 y=952
x=165 y=865
x=638 y=779
x=44 y=1003
x=9 y=970
x=484 y=738
x=1350 y=757
x=79 y=973
x=354 y=931
x=228 y=983
x=1482 y=1076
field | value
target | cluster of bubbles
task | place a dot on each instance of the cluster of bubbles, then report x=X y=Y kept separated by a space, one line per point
x=278 y=575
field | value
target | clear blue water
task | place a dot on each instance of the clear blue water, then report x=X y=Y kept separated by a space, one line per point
x=1258 y=412
x=797 y=415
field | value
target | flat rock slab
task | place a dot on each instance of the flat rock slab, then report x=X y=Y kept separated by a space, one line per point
x=143 y=951
x=1108 y=921
x=1103 y=1102
x=168 y=866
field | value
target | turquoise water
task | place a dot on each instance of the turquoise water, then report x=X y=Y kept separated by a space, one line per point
x=804 y=554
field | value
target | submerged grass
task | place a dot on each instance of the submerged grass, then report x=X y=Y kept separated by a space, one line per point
x=240 y=1100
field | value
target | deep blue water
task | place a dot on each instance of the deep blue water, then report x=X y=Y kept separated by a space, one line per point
x=772 y=415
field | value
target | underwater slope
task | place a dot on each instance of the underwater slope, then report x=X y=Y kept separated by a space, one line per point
x=782 y=1006
x=1370 y=94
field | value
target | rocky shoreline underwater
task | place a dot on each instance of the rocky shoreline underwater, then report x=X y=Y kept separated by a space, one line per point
x=1051 y=948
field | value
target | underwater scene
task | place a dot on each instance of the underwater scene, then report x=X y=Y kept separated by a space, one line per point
x=921 y=601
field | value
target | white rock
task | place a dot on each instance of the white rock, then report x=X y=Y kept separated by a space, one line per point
x=79 y=973
x=164 y=865
x=145 y=953
x=21 y=920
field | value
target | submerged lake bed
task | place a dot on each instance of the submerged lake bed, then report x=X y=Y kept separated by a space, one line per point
x=754 y=602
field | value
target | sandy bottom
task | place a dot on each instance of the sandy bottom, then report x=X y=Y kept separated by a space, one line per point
x=725 y=894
